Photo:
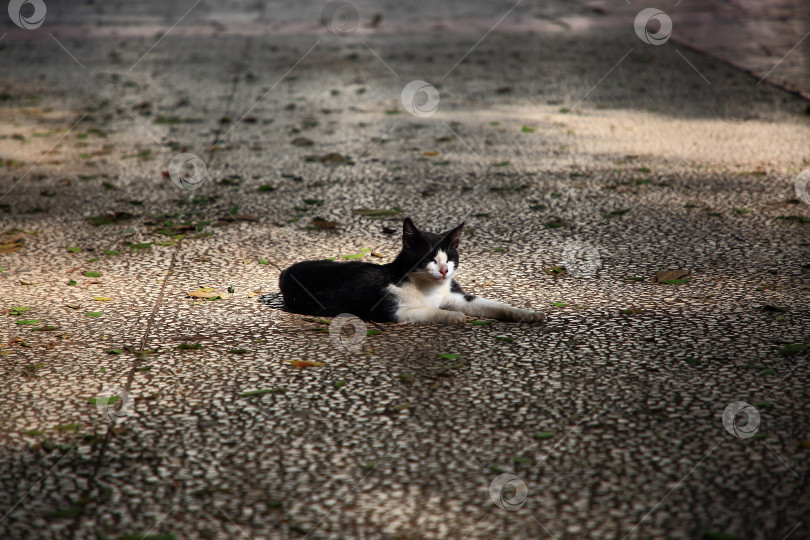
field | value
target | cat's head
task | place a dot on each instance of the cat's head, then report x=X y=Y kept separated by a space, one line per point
x=430 y=255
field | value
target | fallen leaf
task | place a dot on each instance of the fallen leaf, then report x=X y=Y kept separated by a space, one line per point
x=29 y=321
x=208 y=294
x=93 y=314
x=670 y=275
x=101 y=298
x=794 y=348
x=305 y=363
x=541 y=435
x=319 y=223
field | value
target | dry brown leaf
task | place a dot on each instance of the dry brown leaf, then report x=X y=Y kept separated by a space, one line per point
x=668 y=275
x=208 y=293
x=324 y=224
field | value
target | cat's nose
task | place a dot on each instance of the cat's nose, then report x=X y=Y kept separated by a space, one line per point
x=443 y=272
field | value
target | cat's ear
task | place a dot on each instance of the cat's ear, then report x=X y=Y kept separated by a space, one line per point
x=454 y=235
x=410 y=234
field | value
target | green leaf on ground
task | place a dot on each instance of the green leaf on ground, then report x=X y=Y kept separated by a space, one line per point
x=72 y=282
x=353 y=256
x=74 y=249
x=676 y=281
x=114 y=351
x=481 y=323
x=542 y=435
x=93 y=314
x=507 y=339
x=189 y=346
x=263 y=261
x=559 y=304
x=634 y=278
x=19 y=309
x=341 y=383
x=29 y=321
x=794 y=348
x=450 y=356
x=92 y=273
x=520 y=460
x=373 y=332
x=555 y=270
x=528 y=129
x=68 y=427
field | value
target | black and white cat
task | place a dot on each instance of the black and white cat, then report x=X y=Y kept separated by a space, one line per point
x=417 y=287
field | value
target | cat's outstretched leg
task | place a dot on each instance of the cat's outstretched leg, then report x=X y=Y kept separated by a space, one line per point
x=475 y=306
x=430 y=315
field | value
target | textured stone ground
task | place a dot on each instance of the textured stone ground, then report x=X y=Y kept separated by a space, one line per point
x=584 y=148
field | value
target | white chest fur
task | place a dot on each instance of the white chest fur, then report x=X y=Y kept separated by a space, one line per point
x=421 y=293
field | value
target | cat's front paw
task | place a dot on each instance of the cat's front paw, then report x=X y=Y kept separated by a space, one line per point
x=453 y=317
x=523 y=315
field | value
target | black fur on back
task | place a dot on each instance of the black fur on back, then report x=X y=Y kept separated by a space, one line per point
x=328 y=288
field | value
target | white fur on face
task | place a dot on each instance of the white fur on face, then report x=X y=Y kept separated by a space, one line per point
x=440 y=268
